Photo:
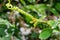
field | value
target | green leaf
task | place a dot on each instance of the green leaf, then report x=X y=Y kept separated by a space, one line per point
x=2 y=33
x=34 y=14
x=43 y=25
x=39 y=8
x=54 y=11
x=59 y=21
x=53 y=24
x=4 y=23
x=45 y=33
x=34 y=35
x=45 y=0
x=31 y=1
x=23 y=2
x=57 y=6
x=28 y=19
x=9 y=30
x=6 y=38
x=30 y=7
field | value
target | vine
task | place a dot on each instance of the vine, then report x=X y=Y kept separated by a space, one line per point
x=33 y=20
x=32 y=23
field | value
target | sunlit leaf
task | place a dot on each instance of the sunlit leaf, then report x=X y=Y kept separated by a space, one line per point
x=53 y=24
x=46 y=33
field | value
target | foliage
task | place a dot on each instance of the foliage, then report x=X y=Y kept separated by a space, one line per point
x=29 y=19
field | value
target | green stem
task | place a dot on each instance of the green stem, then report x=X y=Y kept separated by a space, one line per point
x=9 y=6
x=34 y=20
